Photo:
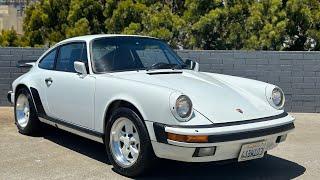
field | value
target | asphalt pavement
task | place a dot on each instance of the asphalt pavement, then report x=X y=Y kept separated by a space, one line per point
x=56 y=154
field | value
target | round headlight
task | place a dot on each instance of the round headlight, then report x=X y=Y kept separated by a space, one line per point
x=277 y=97
x=183 y=106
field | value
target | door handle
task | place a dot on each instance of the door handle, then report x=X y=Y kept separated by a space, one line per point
x=48 y=81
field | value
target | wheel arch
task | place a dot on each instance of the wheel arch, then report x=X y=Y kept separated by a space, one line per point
x=121 y=103
x=18 y=87
x=34 y=96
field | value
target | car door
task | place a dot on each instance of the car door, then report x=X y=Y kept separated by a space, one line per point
x=70 y=96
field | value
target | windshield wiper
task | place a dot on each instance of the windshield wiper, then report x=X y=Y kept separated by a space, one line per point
x=162 y=65
x=179 y=66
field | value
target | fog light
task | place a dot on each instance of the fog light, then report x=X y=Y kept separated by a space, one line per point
x=206 y=151
x=281 y=138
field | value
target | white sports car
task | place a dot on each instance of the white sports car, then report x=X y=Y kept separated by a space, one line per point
x=136 y=95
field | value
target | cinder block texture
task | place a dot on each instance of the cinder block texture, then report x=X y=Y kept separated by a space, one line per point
x=297 y=73
x=9 y=59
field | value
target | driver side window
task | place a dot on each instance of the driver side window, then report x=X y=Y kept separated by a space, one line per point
x=70 y=53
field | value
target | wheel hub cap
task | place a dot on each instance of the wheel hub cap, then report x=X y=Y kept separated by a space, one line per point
x=124 y=142
x=22 y=110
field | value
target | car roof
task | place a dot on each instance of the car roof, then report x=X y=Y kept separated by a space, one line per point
x=88 y=38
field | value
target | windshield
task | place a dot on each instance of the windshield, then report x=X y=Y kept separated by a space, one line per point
x=133 y=53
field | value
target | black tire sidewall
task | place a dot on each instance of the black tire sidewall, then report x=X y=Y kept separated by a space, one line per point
x=146 y=153
x=33 y=123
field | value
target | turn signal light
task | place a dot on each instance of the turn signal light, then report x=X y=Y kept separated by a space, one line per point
x=187 y=138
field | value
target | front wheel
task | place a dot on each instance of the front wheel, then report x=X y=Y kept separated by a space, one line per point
x=127 y=143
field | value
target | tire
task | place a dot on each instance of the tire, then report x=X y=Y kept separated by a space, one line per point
x=139 y=163
x=31 y=124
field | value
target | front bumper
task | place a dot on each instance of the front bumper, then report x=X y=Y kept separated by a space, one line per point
x=228 y=140
x=10 y=97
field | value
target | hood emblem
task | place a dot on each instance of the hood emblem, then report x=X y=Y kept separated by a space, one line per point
x=240 y=111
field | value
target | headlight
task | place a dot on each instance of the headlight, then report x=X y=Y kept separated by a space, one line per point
x=275 y=97
x=183 y=106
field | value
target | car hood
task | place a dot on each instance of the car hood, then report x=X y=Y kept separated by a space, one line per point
x=214 y=98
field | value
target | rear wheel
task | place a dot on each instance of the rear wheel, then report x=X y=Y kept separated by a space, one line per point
x=127 y=143
x=25 y=113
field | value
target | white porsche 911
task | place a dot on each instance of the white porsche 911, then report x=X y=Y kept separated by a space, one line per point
x=136 y=95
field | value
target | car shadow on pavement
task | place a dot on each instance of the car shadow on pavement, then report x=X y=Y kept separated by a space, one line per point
x=76 y=143
x=270 y=167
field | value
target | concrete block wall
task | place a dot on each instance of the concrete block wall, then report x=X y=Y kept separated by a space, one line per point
x=297 y=73
x=9 y=58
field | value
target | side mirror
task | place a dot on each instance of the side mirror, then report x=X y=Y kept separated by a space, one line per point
x=80 y=68
x=192 y=64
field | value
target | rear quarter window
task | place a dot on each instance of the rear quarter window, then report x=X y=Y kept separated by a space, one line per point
x=47 y=62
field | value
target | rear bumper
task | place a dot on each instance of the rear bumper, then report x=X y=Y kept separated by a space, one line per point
x=10 y=97
x=228 y=140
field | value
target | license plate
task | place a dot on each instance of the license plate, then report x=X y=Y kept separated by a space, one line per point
x=252 y=151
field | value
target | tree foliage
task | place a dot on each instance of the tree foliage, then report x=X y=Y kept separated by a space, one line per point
x=205 y=24
x=303 y=30
x=85 y=17
x=266 y=25
x=46 y=21
x=9 y=38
